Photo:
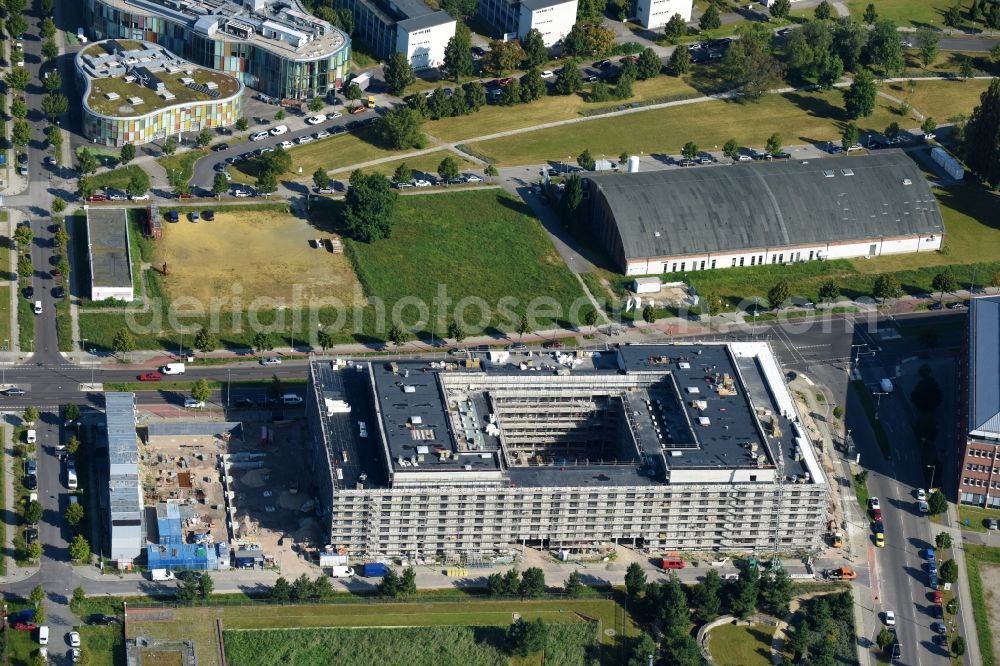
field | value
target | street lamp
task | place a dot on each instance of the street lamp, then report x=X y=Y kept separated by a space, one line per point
x=933 y=470
x=878 y=401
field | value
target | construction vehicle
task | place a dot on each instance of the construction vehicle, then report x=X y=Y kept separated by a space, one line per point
x=837 y=539
x=843 y=573
x=371 y=102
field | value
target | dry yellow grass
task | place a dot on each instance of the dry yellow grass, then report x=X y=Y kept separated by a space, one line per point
x=427 y=164
x=944 y=100
x=258 y=254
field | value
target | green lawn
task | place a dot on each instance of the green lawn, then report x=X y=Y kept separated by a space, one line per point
x=904 y=12
x=480 y=245
x=732 y=645
x=977 y=517
x=5 y=315
x=115 y=179
x=3 y=500
x=104 y=646
x=184 y=162
x=860 y=492
x=975 y=557
x=25 y=324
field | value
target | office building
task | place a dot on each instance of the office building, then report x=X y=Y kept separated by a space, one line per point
x=654 y=14
x=689 y=447
x=513 y=19
x=979 y=400
x=405 y=26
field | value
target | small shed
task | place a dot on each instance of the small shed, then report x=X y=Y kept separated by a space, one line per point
x=646 y=285
x=245 y=558
x=154 y=227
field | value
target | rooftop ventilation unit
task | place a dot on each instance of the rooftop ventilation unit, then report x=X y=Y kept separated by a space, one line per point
x=828 y=173
x=847 y=172
x=907 y=181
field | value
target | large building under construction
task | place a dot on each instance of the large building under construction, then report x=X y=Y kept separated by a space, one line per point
x=691 y=447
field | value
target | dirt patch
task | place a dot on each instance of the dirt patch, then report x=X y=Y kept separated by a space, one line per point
x=246 y=255
x=990 y=575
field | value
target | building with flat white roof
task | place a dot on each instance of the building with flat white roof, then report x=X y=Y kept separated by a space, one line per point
x=655 y=14
x=692 y=447
x=125 y=509
x=515 y=18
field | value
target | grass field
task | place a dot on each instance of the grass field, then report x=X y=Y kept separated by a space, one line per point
x=566 y=645
x=3 y=500
x=5 y=314
x=428 y=164
x=732 y=645
x=338 y=151
x=25 y=324
x=903 y=12
x=184 y=162
x=115 y=179
x=251 y=255
x=944 y=100
x=977 y=517
x=198 y=624
x=498 y=252
x=105 y=646
x=982 y=560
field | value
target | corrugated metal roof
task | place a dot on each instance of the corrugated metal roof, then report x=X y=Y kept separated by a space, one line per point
x=766 y=204
x=984 y=367
x=124 y=484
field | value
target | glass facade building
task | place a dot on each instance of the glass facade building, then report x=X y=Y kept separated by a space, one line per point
x=270 y=66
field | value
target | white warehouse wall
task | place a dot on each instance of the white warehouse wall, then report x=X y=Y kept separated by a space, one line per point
x=656 y=13
x=425 y=48
x=554 y=21
x=120 y=293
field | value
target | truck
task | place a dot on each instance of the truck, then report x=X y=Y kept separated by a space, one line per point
x=342 y=572
x=842 y=573
x=672 y=561
x=161 y=574
x=374 y=569
x=173 y=369
x=362 y=80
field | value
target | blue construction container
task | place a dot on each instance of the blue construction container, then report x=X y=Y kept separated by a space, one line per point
x=374 y=569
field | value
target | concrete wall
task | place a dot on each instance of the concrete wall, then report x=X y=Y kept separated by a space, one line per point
x=553 y=22
x=425 y=48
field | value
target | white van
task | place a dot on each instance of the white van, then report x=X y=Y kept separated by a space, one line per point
x=161 y=574
x=173 y=369
x=82 y=37
x=38 y=307
x=31 y=436
x=43 y=635
x=279 y=130
x=71 y=480
x=341 y=572
x=291 y=399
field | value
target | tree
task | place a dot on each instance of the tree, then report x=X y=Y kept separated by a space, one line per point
x=490 y=172
x=19 y=108
x=966 y=68
x=267 y=182
x=711 y=19
x=403 y=174
x=870 y=14
x=731 y=149
x=590 y=317
x=458 y=54
x=744 y=600
x=829 y=291
x=927 y=42
x=850 y=136
x=281 y=590
x=572 y=197
x=301 y=588
x=398 y=335
x=242 y=125
x=201 y=390
x=23 y=235
x=944 y=281
x=123 y=341
x=705 y=597
x=886 y=286
x=777 y=592
x=635 y=581
x=648 y=65
x=369 y=206
x=72 y=445
x=943 y=541
x=399 y=128
x=79 y=549
x=672 y=610
x=18 y=78
x=510 y=94
x=37 y=596
x=220 y=185
x=25 y=268
x=949 y=570
x=408 y=582
x=568 y=81
x=774 y=143
x=205 y=585
x=953 y=16
x=929 y=125
x=937 y=503
x=320 y=179
x=53 y=82
x=74 y=514
x=885 y=639
x=16 y=23
x=781 y=8
x=859 y=99
x=574 y=584
x=823 y=11
x=398 y=73
x=262 y=341
x=532 y=583
x=680 y=62
x=778 y=294
x=389 y=585
x=533 y=86
x=86 y=162
x=690 y=150
x=535 y=53
x=649 y=314
x=205 y=137
x=169 y=145
x=71 y=412
x=585 y=160
x=958 y=646
x=21 y=134
x=79 y=594
x=504 y=56
x=884 y=52
x=675 y=28
x=526 y=637
x=33 y=512
x=982 y=137
x=138 y=183
x=448 y=169
x=50 y=51
x=749 y=63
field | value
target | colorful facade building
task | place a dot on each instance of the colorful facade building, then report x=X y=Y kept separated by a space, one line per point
x=274 y=47
x=138 y=92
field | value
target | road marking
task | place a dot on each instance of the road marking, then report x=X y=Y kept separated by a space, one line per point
x=873 y=573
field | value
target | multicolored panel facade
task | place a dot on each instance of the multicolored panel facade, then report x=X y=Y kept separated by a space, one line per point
x=189 y=117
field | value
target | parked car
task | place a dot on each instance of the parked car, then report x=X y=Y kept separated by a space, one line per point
x=191 y=403
x=316 y=120
x=173 y=216
x=322 y=134
x=921 y=495
x=98 y=197
x=219 y=147
x=140 y=197
x=270 y=360
x=193 y=216
x=419 y=182
x=150 y=376
x=208 y=215
x=553 y=344
x=473 y=178
x=874 y=504
x=890 y=618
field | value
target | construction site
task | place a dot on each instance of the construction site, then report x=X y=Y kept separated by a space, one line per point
x=221 y=494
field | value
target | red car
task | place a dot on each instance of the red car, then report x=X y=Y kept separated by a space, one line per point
x=24 y=626
x=151 y=377
x=186 y=195
x=504 y=82
x=553 y=344
x=877 y=515
x=937 y=597
x=98 y=197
